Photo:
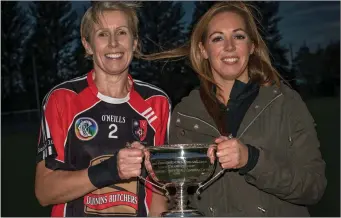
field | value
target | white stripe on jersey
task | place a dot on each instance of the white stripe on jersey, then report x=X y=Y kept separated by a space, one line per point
x=47 y=98
x=153 y=96
x=146 y=111
x=150 y=114
x=153 y=118
x=169 y=115
x=55 y=87
x=50 y=150
x=168 y=123
x=141 y=83
x=64 y=213
x=47 y=129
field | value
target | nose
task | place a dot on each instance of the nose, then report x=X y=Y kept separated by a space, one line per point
x=230 y=45
x=112 y=40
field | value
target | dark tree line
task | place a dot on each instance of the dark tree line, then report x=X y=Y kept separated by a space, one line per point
x=318 y=73
x=44 y=38
x=13 y=36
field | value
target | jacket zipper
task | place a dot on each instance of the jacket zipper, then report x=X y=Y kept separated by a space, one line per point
x=212 y=210
x=254 y=119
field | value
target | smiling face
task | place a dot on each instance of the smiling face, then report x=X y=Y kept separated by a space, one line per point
x=111 y=43
x=227 y=47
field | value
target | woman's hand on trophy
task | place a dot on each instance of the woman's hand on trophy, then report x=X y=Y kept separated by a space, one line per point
x=231 y=152
x=129 y=161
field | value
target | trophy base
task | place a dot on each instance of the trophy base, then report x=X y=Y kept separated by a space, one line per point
x=182 y=213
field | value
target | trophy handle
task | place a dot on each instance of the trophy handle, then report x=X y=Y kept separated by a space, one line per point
x=163 y=187
x=201 y=186
x=221 y=172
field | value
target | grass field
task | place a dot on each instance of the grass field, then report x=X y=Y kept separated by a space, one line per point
x=18 y=147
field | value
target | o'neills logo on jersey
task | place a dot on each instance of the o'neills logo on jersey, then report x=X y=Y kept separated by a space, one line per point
x=86 y=128
x=104 y=201
x=140 y=129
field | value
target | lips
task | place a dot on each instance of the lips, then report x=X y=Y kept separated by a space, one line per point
x=230 y=60
x=116 y=55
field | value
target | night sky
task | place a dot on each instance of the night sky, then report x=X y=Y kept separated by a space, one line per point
x=313 y=22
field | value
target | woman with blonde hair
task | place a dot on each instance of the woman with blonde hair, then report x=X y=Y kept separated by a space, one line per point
x=262 y=132
x=83 y=165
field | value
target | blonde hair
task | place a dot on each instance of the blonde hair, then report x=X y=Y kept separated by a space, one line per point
x=93 y=13
x=260 y=67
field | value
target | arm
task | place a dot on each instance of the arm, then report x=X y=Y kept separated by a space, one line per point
x=300 y=178
x=159 y=203
x=56 y=181
x=58 y=186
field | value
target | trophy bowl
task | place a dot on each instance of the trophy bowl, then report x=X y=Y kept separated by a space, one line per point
x=179 y=166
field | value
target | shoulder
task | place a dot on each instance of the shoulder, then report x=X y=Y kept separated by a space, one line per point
x=294 y=104
x=192 y=102
x=147 y=90
x=67 y=88
x=292 y=98
x=192 y=98
x=289 y=92
x=283 y=90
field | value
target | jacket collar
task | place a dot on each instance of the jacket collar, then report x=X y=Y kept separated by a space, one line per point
x=266 y=95
x=195 y=108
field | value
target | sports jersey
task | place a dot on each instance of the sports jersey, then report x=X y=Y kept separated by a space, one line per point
x=80 y=127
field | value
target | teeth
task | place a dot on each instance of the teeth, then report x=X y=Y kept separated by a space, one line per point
x=114 y=55
x=230 y=60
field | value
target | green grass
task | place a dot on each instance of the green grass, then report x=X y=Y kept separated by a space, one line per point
x=18 y=149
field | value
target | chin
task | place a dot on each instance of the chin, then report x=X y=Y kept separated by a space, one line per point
x=230 y=76
x=116 y=71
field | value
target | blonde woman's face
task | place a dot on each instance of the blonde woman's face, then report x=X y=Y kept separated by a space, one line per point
x=111 y=43
x=227 y=47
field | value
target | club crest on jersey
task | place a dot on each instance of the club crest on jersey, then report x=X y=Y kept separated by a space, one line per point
x=86 y=128
x=140 y=129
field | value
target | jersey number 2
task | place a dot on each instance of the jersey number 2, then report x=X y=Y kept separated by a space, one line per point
x=112 y=132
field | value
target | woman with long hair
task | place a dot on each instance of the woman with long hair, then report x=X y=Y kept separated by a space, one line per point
x=260 y=129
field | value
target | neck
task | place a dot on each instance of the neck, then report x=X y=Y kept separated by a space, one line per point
x=115 y=86
x=225 y=86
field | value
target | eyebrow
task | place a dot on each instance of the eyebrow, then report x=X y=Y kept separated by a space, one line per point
x=236 y=30
x=101 y=28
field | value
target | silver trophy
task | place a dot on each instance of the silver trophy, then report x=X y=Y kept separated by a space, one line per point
x=179 y=166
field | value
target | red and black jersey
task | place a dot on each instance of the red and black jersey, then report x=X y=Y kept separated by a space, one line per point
x=81 y=127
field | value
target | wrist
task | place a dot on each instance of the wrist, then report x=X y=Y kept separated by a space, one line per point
x=104 y=173
x=253 y=155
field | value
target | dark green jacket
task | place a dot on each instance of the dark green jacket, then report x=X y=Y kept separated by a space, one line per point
x=290 y=172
